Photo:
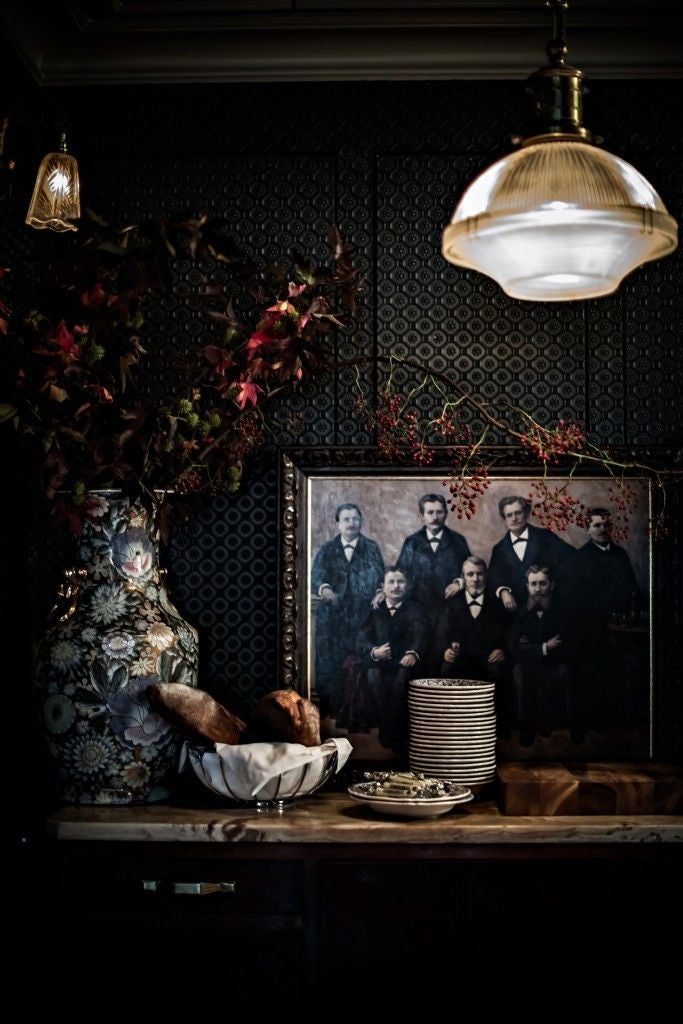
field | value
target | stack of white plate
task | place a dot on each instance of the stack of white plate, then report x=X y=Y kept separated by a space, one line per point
x=453 y=729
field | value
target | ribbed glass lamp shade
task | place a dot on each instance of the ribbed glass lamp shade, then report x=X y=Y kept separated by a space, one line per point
x=56 y=196
x=559 y=220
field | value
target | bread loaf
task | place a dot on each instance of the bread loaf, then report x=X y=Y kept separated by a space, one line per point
x=197 y=711
x=286 y=716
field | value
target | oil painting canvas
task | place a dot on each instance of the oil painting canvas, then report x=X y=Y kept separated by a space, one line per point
x=392 y=586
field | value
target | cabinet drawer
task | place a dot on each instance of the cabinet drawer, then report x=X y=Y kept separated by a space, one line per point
x=196 y=885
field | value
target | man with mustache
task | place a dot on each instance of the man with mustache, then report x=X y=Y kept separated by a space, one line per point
x=346 y=573
x=432 y=557
x=470 y=639
x=522 y=546
x=391 y=643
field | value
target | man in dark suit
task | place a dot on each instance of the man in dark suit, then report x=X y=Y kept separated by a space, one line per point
x=542 y=645
x=606 y=574
x=432 y=558
x=524 y=545
x=615 y=657
x=471 y=637
x=345 y=575
x=391 y=643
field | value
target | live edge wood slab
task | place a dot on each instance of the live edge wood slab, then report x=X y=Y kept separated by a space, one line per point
x=333 y=818
x=589 y=789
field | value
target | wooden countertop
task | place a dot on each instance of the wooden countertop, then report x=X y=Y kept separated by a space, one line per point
x=335 y=818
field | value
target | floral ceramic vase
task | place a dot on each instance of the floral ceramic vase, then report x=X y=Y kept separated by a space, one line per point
x=114 y=633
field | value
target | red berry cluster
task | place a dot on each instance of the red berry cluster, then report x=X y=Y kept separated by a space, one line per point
x=556 y=509
x=466 y=485
x=191 y=482
x=624 y=499
x=247 y=435
x=398 y=430
x=422 y=454
x=449 y=427
x=550 y=445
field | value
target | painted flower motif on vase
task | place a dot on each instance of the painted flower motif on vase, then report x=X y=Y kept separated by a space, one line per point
x=160 y=636
x=65 y=655
x=95 y=663
x=133 y=720
x=136 y=774
x=108 y=603
x=59 y=713
x=132 y=554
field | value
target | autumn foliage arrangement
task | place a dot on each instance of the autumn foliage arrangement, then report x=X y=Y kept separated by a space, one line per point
x=86 y=417
x=79 y=406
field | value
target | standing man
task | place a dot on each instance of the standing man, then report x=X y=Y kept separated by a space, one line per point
x=391 y=643
x=432 y=558
x=524 y=545
x=616 y=652
x=606 y=574
x=346 y=573
x=542 y=649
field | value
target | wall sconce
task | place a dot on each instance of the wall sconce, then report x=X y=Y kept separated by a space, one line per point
x=559 y=219
x=55 y=203
x=56 y=200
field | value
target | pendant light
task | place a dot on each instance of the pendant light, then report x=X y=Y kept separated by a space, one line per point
x=558 y=219
x=55 y=203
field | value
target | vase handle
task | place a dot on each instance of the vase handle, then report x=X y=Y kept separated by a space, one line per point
x=67 y=595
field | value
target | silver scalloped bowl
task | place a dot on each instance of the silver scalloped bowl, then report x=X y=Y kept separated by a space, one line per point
x=292 y=784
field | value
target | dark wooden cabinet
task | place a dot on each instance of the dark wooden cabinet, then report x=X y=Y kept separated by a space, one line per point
x=267 y=922
x=202 y=923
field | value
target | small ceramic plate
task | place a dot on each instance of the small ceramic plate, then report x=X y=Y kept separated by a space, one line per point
x=411 y=807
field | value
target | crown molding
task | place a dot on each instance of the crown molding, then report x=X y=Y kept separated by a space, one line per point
x=81 y=42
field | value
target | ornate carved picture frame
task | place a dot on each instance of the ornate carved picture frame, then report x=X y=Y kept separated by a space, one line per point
x=591 y=695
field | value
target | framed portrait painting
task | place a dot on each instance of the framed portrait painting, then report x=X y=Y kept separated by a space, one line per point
x=382 y=583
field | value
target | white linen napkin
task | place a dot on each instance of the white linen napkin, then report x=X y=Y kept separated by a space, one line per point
x=248 y=767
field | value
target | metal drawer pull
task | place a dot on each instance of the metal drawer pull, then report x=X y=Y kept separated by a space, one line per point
x=202 y=888
x=189 y=888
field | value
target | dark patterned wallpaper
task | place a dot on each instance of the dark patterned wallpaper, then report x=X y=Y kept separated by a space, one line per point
x=386 y=161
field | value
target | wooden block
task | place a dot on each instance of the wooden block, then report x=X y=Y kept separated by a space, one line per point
x=629 y=788
x=537 y=789
x=556 y=789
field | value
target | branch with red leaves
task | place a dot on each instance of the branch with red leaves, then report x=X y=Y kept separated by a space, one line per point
x=84 y=423
x=76 y=406
x=402 y=432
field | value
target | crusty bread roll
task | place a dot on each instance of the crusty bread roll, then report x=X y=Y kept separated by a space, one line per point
x=197 y=711
x=286 y=715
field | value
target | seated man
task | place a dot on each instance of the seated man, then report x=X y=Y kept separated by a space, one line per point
x=391 y=643
x=542 y=647
x=471 y=638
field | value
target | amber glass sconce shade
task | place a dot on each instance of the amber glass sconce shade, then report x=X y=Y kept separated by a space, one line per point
x=55 y=203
